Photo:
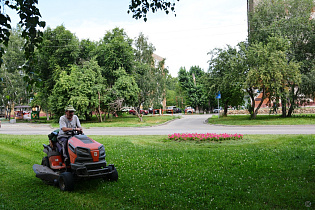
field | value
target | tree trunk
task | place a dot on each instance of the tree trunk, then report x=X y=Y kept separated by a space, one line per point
x=259 y=105
x=294 y=99
x=138 y=114
x=99 y=106
x=251 y=108
x=284 y=106
x=98 y=116
x=47 y=114
x=225 y=108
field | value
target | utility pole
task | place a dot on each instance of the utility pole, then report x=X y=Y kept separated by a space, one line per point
x=218 y=96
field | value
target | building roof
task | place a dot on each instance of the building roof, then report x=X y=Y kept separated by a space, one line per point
x=157 y=57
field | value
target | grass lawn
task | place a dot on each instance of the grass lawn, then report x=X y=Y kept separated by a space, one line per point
x=305 y=119
x=257 y=172
x=125 y=120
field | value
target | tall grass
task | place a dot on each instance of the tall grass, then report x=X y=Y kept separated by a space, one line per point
x=257 y=172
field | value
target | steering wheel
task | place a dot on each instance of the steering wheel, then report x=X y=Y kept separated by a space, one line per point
x=74 y=132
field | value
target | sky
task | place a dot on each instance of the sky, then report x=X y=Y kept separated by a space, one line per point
x=184 y=40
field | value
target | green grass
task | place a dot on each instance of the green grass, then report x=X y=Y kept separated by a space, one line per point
x=257 y=172
x=125 y=120
x=130 y=121
x=305 y=119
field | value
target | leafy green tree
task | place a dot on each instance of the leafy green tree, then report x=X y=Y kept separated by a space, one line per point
x=29 y=22
x=126 y=88
x=268 y=70
x=140 y=9
x=173 y=96
x=223 y=76
x=289 y=19
x=87 y=50
x=80 y=87
x=149 y=78
x=113 y=52
x=192 y=84
x=58 y=50
x=12 y=85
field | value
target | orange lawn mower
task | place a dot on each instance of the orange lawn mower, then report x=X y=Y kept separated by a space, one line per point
x=86 y=160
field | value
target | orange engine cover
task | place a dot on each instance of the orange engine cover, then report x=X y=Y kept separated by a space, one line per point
x=84 y=146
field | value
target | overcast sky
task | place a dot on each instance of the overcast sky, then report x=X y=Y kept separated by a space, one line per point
x=184 y=40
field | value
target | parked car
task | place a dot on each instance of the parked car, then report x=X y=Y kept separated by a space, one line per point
x=189 y=110
x=156 y=111
x=144 y=112
x=217 y=110
x=170 y=109
x=177 y=110
x=173 y=109
x=125 y=109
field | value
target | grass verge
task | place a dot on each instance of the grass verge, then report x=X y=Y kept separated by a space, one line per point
x=304 y=119
x=257 y=172
x=125 y=120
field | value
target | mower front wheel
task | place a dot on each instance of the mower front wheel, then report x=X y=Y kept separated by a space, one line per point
x=113 y=177
x=66 y=182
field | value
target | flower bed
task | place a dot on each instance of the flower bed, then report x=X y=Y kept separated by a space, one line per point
x=204 y=137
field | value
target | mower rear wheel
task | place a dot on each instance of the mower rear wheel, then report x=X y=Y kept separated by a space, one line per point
x=45 y=161
x=113 y=177
x=66 y=182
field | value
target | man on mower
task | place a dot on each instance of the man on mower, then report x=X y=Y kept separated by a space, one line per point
x=68 y=123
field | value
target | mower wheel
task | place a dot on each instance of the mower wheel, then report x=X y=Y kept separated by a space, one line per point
x=45 y=161
x=66 y=182
x=113 y=177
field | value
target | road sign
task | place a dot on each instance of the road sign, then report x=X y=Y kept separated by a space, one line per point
x=218 y=96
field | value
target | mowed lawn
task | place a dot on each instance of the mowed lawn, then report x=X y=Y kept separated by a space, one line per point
x=297 y=119
x=256 y=172
x=125 y=120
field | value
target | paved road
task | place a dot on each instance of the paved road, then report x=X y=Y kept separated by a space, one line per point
x=187 y=124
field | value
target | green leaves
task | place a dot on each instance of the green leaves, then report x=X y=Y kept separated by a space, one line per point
x=140 y=8
x=80 y=88
x=193 y=86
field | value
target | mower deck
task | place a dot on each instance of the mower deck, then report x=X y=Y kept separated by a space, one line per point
x=45 y=173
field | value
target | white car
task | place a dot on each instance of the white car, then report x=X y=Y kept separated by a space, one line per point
x=217 y=110
x=189 y=110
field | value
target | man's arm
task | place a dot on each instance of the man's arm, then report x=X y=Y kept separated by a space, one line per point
x=79 y=128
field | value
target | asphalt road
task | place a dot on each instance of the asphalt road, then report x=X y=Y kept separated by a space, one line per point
x=187 y=124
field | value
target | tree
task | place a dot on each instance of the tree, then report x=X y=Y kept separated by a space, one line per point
x=13 y=89
x=141 y=8
x=58 y=50
x=173 y=93
x=149 y=77
x=268 y=70
x=29 y=22
x=87 y=50
x=291 y=20
x=113 y=52
x=80 y=87
x=224 y=77
x=192 y=84
x=126 y=88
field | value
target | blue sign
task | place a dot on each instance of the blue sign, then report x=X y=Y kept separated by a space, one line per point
x=218 y=96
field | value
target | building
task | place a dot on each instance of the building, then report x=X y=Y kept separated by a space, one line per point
x=157 y=60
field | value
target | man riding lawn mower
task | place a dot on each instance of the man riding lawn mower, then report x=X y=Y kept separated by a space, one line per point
x=81 y=158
